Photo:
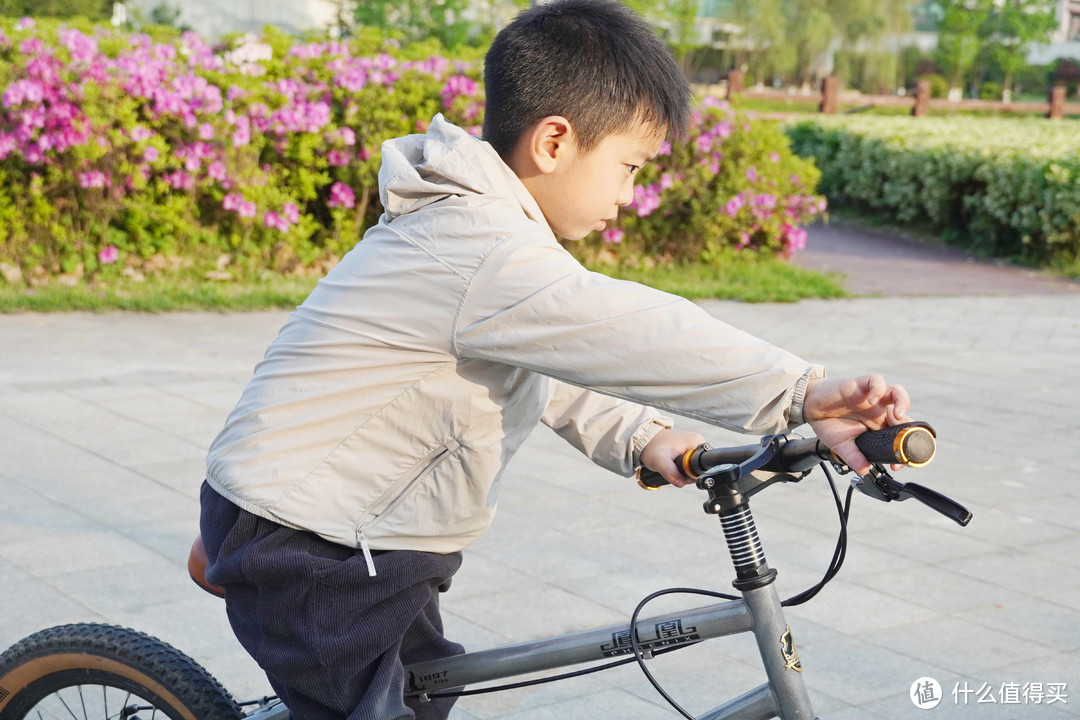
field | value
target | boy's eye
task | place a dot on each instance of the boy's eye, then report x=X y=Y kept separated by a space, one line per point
x=633 y=169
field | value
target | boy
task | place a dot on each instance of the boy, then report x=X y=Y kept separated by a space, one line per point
x=367 y=450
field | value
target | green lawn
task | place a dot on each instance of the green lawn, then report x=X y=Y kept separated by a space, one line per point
x=746 y=278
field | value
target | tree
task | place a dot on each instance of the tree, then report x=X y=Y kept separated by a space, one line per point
x=418 y=19
x=93 y=9
x=959 y=38
x=1011 y=28
x=764 y=48
x=791 y=37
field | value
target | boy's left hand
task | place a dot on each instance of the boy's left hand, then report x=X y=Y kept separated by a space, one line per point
x=841 y=410
x=665 y=448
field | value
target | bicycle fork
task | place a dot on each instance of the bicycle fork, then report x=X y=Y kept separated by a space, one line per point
x=785 y=695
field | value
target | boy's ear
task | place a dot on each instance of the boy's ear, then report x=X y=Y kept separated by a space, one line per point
x=550 y=140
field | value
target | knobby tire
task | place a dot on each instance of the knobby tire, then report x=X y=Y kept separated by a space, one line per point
x=72 y=666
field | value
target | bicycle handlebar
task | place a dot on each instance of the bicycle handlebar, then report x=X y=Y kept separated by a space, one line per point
x=909 y=443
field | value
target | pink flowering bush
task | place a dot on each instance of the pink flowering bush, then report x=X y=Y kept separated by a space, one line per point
x=130 y=154
x=731 y=184
x=125 y=153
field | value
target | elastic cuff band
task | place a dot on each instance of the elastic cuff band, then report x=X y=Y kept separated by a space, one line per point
x=798 y=398
x=647 y=432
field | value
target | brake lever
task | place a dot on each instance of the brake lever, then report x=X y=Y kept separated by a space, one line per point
x=880 y=485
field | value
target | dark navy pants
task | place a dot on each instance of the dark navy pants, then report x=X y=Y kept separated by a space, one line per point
x=331 y=639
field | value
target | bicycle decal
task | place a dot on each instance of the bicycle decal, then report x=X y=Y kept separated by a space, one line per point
x=791 y=655
x=435 y=679
x=666 y=634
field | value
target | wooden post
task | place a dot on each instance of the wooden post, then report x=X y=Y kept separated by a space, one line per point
x=830 y=90
x=734 y=82
x=922 y=98
x=1057 y=102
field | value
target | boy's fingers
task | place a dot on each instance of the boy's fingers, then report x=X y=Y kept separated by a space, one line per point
x=849 y=452
x=875 y=389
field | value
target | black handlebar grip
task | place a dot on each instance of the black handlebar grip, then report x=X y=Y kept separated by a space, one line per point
x=906 y=444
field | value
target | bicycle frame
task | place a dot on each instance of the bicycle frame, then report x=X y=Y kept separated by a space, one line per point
x=759 y=612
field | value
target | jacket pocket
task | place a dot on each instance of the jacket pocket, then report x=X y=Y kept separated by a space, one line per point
x=401 y=490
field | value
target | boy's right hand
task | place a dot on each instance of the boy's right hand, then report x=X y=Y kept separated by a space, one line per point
x=664 y=451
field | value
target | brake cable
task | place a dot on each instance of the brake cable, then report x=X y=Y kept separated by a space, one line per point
x=639 y=655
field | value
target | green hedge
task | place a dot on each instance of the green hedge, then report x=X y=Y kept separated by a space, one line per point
x=1006 y=187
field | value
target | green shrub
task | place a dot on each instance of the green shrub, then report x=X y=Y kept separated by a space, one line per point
x=990 y=90
x=732 y=184
x=939 y=85
x=1007 y=187
x=135 y=154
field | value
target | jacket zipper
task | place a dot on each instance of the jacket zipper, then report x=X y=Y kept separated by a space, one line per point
x=429 y=463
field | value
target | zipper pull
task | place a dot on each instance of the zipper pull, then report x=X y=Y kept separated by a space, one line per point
x=370 y=561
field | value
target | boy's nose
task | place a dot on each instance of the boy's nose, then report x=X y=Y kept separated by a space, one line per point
x=626 y=196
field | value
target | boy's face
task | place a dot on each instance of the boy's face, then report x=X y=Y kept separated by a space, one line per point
x=583 y=192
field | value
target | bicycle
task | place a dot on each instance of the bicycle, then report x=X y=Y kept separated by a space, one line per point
x=78 y=668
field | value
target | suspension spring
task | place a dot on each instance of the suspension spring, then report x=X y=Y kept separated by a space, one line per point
x=742 y=540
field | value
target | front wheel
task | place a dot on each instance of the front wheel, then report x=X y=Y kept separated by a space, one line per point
x=84 y=671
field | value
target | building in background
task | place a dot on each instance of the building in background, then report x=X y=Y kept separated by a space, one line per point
x=1066 y=39
x=214 y=18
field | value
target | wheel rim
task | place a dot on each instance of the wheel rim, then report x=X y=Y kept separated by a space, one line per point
x=93 y=694
x=94 y=701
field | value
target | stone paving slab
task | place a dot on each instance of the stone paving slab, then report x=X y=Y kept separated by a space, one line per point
x=104 y=420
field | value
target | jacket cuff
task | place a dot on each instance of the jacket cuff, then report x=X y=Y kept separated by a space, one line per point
x=798 y=399
x=647 y=432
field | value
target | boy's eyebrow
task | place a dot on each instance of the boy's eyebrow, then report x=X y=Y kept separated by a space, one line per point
x=645 y=156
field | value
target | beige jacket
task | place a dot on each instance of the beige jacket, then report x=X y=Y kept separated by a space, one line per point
x=384 y=413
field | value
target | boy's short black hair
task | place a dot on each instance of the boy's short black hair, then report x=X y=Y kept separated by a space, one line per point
x=595 y=62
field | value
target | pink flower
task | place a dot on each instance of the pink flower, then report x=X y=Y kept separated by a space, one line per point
x=24 y=23
x=273 y=220
x=216 y=170
x=751 y=174
x=108 y=255
x=138 y=134
x=341 y=195
x=93 y=179
x=150 y=154
x=291 y=212
x=206 y=131
x=733 y=205
x=646 y=199
x=774 y=156
x=665 y=149
x=235 y=201
x=337 y=158
x=242 y=136
x=667 y=181
x=613 y=235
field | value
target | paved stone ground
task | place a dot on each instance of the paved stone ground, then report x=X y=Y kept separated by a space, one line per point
x=104 y=422
x=882 y=264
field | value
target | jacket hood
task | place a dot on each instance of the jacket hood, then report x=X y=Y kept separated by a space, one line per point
x=418 y=170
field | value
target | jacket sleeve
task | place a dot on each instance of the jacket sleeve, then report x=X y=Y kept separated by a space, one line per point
x=611 y=432
x=531 y=304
